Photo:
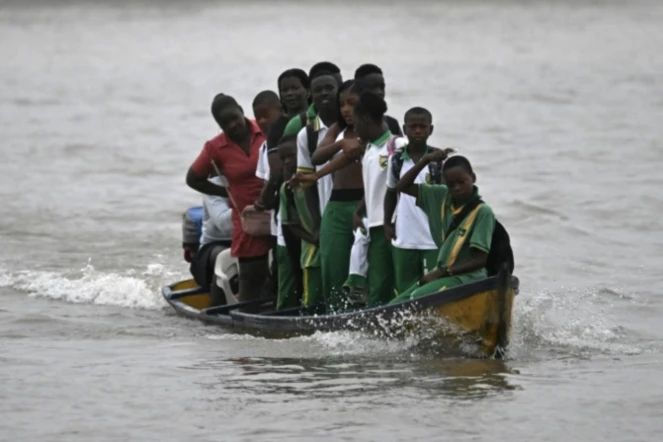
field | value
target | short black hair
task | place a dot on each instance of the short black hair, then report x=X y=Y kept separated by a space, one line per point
x=268 y=98
x=283 y=140
x=371 y=105
x=221 y=102
x=418 y=111
x=297 y=73
x=287 y=138
x=367 y=69
x=458 y=161
x=321 y=73
x=323 y=66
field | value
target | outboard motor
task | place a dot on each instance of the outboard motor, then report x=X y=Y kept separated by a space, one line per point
x=192 y=228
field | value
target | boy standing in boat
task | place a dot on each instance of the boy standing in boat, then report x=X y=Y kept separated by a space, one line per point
x=296 y=123
x=289 y=254
x=457 y=216
x=311 y=202
x=267 y=109
x=336 y=233
x=414 y=250
x=371 y=79
x=376 y=146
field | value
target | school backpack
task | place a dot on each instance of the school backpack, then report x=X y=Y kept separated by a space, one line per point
x=501 y=252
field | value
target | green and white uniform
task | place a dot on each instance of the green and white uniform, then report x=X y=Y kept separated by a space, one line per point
x=414 y=251
x=336 y=239
x=310 y=259
x=475 y=231
x=296 y=124
x=380 y=264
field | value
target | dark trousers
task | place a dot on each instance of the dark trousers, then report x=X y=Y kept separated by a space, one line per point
x=252 y=275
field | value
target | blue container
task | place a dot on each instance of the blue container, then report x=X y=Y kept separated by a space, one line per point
x=192 y=226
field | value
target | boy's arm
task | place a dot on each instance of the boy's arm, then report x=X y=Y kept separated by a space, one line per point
x=339 y=162
x=406 y=183
x=268 y=198
x=328 y=146
x=390 y=201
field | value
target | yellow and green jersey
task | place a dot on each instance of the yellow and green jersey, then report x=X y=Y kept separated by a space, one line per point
x=475 y=231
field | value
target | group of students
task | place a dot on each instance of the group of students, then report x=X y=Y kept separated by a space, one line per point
x=363 y=214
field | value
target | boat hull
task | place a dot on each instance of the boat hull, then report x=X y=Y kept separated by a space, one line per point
x=479 y=313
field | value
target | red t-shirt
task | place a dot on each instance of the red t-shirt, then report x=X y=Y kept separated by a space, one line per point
x=240 y=171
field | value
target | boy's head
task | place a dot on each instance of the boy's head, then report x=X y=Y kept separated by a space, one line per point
x=372 y=79
x=230 y=117
x=459 y=178
x=418 y=125
x=294 y=87
x=324 y=89
x=287 y=149
x=266 y=109
x=326 y=66
x=368 y=114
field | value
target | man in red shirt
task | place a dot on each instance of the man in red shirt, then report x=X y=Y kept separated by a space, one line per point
x=235 y=153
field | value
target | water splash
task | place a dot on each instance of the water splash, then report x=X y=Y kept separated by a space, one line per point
x=131 y=289
x=573 y=322
x=570 y=324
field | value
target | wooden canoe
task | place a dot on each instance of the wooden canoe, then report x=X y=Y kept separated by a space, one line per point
x=478 y=313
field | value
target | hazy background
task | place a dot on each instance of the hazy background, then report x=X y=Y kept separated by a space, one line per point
x=104 y=105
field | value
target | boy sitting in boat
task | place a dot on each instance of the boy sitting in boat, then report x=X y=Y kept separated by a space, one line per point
x=457 y=213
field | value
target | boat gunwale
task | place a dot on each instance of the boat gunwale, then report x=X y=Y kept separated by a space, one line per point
x=348 y=320
x=380 y=313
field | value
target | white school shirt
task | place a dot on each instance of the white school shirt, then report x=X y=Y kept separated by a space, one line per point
x=304 y=164
x=412 y=228
x=262 y=172
x=374 y=169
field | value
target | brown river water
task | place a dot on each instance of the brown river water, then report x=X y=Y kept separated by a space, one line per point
x=103 y=106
